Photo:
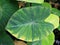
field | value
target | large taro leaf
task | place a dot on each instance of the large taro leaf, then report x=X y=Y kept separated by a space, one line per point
x=33 y=1
x=29 y=23
x=49 y=40
x=5 y=39
x=7 y=8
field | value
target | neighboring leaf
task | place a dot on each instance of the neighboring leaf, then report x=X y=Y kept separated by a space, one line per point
x=49 y=40
x=55 y=11
x=53 y=19
x=7 y=8
x=28 y=23
x=33 y=1
x=27 y=5
x=35 y=4
x=0 y=13
x=59 y=27
x=45 y=4
x=59 y=24
x=5 y=39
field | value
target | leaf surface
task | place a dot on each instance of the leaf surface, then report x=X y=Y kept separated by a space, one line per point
x=55 y=11
x=33 y=1
x=7 y=8
x=30 y=24
x=5 y=39
x=49 y=40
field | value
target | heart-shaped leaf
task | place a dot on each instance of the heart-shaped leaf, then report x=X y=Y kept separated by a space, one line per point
x=49 y=40
x=30 y=24
x=33 y=1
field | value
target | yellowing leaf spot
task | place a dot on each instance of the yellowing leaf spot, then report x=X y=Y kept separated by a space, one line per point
x=53 y=19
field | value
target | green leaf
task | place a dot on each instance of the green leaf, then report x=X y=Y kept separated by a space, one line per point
x=7 y=8
x=0 y=13
x=33 y=1
x=53 y=19
x=5 y=39
x=55 y=11
x=29 y=23
x=49 y=40
x=59 y=27
x=45 y=4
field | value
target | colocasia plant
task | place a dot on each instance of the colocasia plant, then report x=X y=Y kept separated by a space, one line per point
x=33 y=23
